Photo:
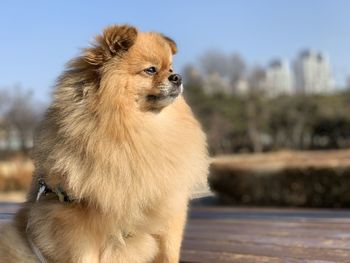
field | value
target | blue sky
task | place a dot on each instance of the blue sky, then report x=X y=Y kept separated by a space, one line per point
x=38 y=37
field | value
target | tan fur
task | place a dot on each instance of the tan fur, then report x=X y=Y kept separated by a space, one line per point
x=130 y=162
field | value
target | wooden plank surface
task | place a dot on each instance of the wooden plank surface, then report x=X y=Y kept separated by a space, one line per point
x=215 y=234
x=222 y=234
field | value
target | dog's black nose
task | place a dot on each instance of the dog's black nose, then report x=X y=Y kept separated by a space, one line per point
x=175 y=79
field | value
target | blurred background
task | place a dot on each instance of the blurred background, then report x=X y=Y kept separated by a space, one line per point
x=268 y=80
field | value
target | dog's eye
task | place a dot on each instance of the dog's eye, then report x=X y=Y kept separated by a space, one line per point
x=171 y=70
x=151 y=70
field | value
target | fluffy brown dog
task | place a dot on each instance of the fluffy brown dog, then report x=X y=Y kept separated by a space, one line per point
x=117 y=155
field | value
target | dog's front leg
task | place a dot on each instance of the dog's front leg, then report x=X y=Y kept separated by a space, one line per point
x=170 y=240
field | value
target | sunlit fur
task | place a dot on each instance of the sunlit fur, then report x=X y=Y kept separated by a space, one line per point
x=130 y=162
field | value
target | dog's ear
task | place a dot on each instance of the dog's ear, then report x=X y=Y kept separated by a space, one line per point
x=171 y=43
x=114 y=41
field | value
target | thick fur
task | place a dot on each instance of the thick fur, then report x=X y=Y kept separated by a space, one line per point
x=130 y=162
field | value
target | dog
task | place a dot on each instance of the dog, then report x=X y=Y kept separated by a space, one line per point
x=116 y=158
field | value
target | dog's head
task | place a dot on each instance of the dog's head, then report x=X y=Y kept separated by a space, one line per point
x=137 y=65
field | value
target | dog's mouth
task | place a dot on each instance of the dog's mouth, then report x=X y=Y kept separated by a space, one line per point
x=154 y=98
x=173 y=93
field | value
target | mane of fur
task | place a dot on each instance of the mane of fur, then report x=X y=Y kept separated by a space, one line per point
x=85 y=146
x=131 y=170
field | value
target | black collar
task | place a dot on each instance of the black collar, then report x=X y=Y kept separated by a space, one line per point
x=58 y=191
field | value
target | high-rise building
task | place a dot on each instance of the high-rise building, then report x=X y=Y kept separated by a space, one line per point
x=313 y=73
x=278 y=79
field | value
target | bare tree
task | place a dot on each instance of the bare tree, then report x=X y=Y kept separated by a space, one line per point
x=213 y=62
x=237 y=68
x=22 y=115
x=3 y=101
x=255 y=109
x=192 y=76
x=218 y=133
x=222 y=71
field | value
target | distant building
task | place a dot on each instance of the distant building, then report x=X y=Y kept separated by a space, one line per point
x=241 y=87
x=313 y=73
x=214 y=83
x=278 y=79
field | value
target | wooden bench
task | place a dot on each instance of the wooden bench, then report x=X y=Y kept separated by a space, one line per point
x=219 y=234
x=223 y=234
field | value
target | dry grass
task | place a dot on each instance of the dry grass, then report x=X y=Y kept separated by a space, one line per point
x=15 y=174
x=285 y=159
